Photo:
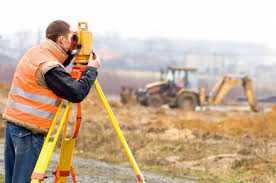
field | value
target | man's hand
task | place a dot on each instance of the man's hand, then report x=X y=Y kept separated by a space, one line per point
x=94 y=61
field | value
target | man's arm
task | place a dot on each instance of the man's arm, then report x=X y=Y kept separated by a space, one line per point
x=63 y=85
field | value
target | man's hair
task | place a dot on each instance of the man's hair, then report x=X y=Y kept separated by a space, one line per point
x=57 y=28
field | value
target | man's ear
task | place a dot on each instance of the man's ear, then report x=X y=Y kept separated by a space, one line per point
x=59 y=39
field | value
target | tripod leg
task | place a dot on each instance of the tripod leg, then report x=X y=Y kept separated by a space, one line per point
x=64 y=168
x=50 y=144
x=65 y=161
x=115 y=124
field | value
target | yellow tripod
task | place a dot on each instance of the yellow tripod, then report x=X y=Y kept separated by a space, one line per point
x=60 y=120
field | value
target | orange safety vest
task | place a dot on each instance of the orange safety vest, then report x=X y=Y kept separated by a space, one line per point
x=30 y=104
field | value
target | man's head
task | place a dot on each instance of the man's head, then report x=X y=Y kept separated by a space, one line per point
x=59 y=32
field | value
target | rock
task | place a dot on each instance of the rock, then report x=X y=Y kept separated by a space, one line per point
x=172 y=159
x=176 y=134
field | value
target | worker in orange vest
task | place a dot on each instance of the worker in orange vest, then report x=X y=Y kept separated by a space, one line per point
x=40 y=82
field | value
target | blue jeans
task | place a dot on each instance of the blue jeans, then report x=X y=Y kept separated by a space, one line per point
x=22 y=149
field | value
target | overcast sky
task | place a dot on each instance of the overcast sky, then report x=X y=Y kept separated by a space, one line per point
x=236 y=20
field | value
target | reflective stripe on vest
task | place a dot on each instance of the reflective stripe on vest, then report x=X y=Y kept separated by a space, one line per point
x=30 y=110
x=29 y=102
x=31 y=96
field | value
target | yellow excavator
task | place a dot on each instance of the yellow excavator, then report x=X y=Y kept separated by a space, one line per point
x=175 y=89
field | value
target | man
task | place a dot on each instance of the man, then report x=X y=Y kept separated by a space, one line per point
x=39 y=83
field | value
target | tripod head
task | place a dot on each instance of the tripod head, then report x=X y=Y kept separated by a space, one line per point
x=84 y=44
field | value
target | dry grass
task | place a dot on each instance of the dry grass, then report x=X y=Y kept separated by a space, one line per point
x=214 y=146
x=4 y=89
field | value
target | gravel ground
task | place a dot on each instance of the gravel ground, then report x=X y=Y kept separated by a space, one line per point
x=92 y=171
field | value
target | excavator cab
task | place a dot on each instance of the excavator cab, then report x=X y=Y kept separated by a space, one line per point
x=165 y=91
x=180 y=76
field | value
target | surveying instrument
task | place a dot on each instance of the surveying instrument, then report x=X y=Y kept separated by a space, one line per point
x=60 y=123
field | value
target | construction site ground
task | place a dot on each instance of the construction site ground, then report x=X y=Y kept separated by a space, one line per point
x=215 y=145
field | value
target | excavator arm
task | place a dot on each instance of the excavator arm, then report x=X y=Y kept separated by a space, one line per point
x=226 y=84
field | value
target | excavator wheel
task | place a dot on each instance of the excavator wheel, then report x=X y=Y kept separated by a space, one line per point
x=155 y=101
x=187 y=101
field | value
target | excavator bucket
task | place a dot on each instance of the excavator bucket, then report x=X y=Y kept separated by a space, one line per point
x=250 y=94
